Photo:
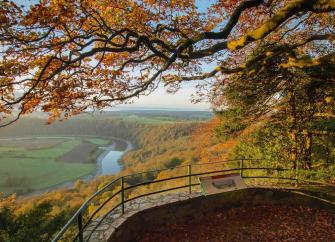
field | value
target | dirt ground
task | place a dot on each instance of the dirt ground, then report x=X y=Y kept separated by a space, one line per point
x=80 y=154
x=259 y=223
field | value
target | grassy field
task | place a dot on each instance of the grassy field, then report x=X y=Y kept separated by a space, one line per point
x=98 y=141
x=31 y=164
x=148 y=120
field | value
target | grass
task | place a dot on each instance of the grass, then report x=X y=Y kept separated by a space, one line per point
x=98 y=141
x=157 y=120
x=146 y=120
x=23 y=170
x=11 y=149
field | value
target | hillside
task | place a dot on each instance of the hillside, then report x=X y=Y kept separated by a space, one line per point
x=159 y=139
x=156 y=145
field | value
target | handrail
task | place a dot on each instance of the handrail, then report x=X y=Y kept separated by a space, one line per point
x=100 y=207
x=78 y=215
x=226 y=161
x=195 y=164
x=82 y=207
x=152 y=171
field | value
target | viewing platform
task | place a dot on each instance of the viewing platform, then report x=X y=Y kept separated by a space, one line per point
x=137 y=207
x=114 y=220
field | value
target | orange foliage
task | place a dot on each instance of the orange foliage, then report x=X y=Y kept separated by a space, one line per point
x=64 y=57
x=210 y=147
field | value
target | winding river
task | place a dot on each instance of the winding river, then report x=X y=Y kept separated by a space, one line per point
x=107 y=162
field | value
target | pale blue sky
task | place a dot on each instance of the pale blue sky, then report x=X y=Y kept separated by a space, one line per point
x=161 y=99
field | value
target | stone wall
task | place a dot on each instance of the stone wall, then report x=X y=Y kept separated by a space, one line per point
x=197 y=208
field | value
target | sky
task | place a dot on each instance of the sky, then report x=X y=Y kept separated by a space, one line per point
x=160 y=98
x=181 y=99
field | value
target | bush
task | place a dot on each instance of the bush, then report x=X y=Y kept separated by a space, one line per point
x=36 y=225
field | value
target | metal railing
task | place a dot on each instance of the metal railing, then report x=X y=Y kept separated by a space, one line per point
x=127 y=188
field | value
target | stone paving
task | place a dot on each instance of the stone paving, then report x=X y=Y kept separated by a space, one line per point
x=116 y=218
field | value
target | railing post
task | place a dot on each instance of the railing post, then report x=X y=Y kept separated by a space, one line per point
x=80 y=227
x=122 y=194
x=190 y=178
x=241 y=167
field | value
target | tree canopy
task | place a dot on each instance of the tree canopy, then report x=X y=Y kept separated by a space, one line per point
x=67 y=56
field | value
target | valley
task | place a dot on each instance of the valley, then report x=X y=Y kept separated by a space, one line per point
x=36 y=158
x=38 y=163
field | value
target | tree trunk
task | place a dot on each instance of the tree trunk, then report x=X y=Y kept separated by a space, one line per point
x=328 y=150
x=294 y=150
x=293 y=132
x=308 y=150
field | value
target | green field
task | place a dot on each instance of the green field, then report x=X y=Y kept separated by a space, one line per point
x=148 y=120
x=98 y=141
x=32 y=164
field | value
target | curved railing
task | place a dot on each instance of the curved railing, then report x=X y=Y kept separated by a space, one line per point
x=124 y=189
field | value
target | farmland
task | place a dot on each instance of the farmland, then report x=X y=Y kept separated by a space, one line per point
x=35 y=156
x=29 y=164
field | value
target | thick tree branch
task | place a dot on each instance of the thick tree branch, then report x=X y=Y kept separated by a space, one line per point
x=266 y=28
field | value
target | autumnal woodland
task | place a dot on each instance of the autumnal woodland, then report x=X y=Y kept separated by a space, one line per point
x=266 y=66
